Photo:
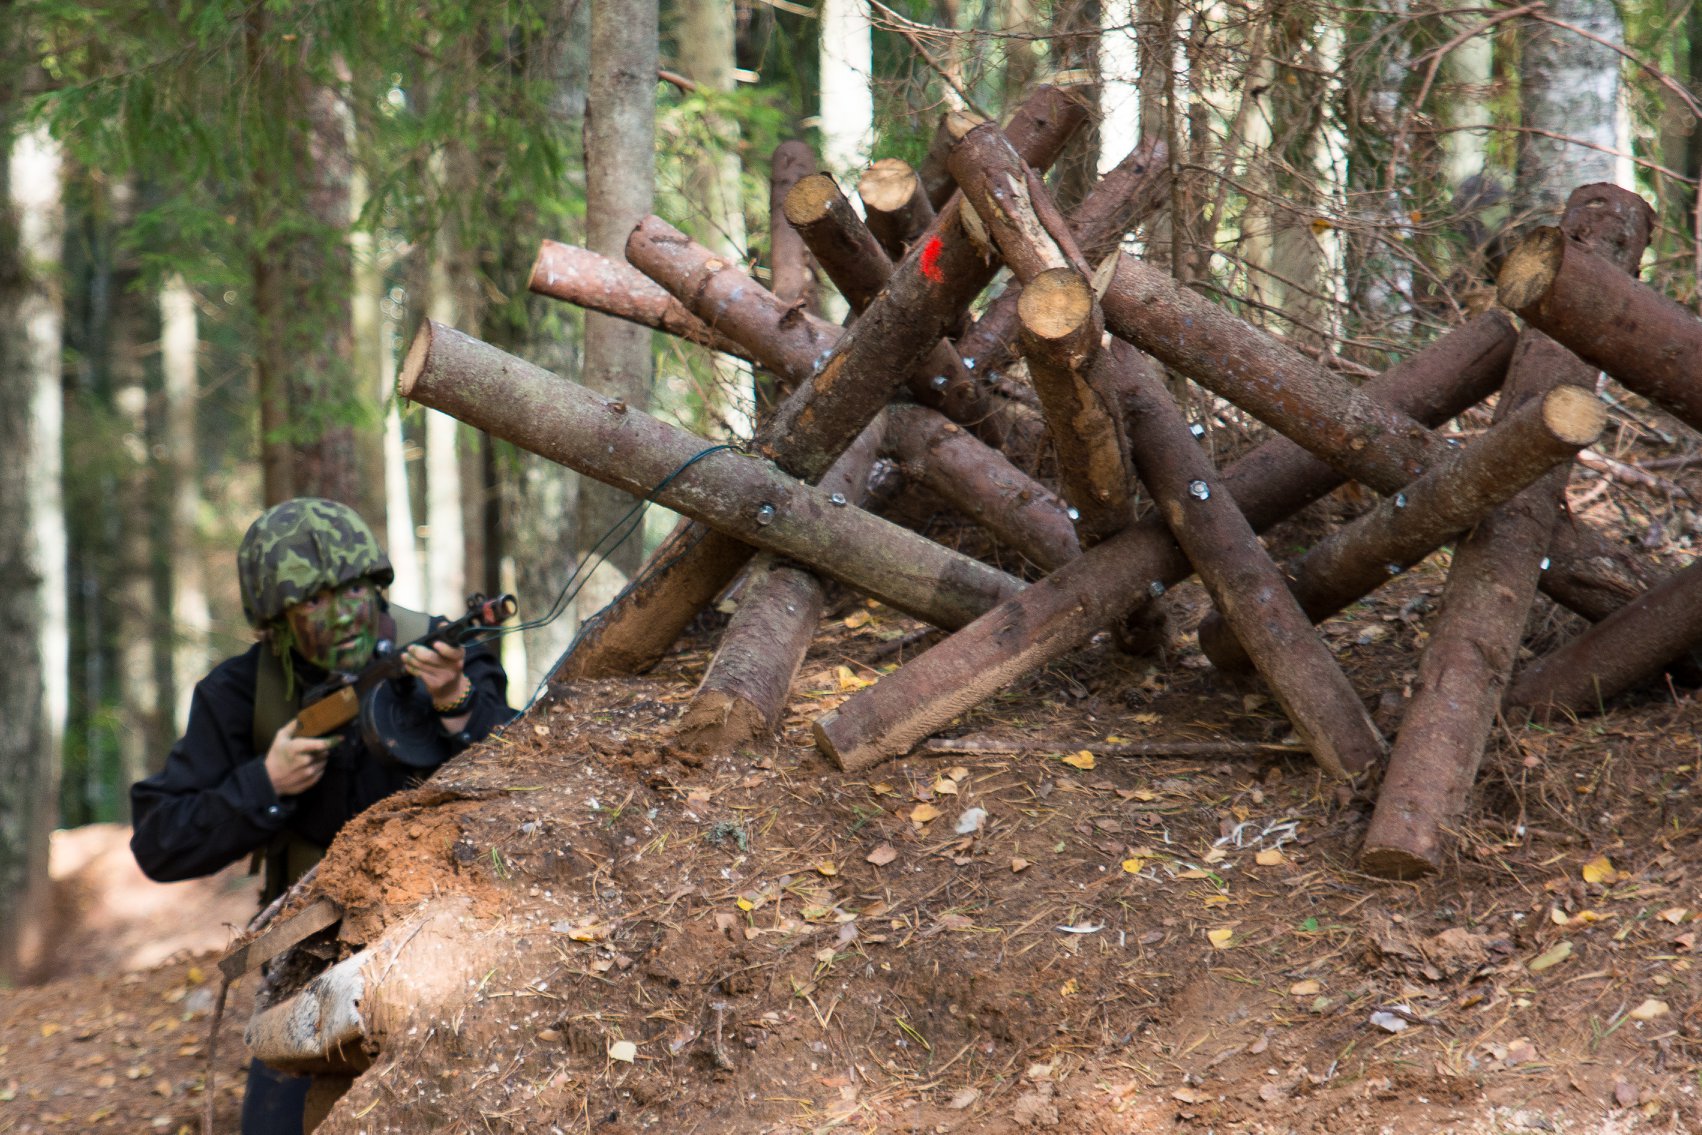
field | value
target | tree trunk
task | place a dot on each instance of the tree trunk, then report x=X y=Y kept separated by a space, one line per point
x=179 y=346
x=1569 y=90
x=32 y=535
x=847 y=89
x=792 y=275
x=620 y=138
x=741 y=497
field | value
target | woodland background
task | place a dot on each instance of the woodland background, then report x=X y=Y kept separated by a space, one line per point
x=221 y=220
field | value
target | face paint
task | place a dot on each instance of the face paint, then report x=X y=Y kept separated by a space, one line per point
x=336 y=630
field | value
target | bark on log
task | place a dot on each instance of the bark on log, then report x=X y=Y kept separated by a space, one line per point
x=1245 y=584
x=896 y=205
x=1017 y=212
x=597 y=283
x=1612 y=321
x=1341 y=424
x=1624 y=650
x=927 y=294
x=1453 y=495
x=976 y=481
x=792 y=278
x=739 y=496
x=1491 y=583
x=1109 y=582
x=854 y=260
x=744 y=691
x=1061 y=330
x=934 y=173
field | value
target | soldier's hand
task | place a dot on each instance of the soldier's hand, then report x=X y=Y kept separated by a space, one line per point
x=438 y=667
x=295 y=764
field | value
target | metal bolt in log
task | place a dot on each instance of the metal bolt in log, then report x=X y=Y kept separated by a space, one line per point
x=896 y=205
x=1449 y=498
x=1110 y=581
x=979 y=483
x=1061 y=330
x=745 y=498
x=1492 y=580
x=1243 y=581
x=597 y=283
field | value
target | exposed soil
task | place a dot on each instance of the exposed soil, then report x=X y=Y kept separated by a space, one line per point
x=994 y=941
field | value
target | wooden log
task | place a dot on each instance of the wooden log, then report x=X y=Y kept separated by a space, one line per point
x=1609 y=319
x=597 y=283
x=1624 y=650
x=745 y=689
x=927 y=294
x=979 y=483
x=1061 y=330
x=934 y=173
x=1474 y=640
x=1244 y=583
x=1019 y=215
x=895 y=204
x=792 y=276
x=1449 y=498
x=1342 y=425
x=739 y=496
x=854 y=259
x=1110 y=581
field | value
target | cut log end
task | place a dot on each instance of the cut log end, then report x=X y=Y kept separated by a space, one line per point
x=536 y=279
x=1576 y=416
x=888 y=185
x=1394 y=863
x=810 y=199
x=718 y=722
x=415 y=362
x=1530 y=268
x=1056 y=304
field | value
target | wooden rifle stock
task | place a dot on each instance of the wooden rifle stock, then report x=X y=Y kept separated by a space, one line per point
x=337 y=705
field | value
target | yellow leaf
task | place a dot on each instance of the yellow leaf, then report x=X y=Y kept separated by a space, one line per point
x=827 y=867
x=882 y=855
x=1070 y=988
x=1321 y=225
x=746 y=904
x=1215 y=855
x=1145 y=719
x=1673 y=914
x=922 y=813
x=1133 y=865
x=1598 y=870
x=883 y=788
x=1557 y=916
x=1018 y=863
x=1307 y=988
x=857 y=619
x=196 y=975
x=1113 y=740
x=957 y=772
x=623 y=1050
x=944 y=787
x=1269 y=857
x=1081 y=760
x=1216 y=900
x=1649 y=1010
x=48 y=1028
x=847 y=680
x=1219 y=938
x=1552 y=956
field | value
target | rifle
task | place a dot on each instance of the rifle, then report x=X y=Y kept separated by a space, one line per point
x=394 y=722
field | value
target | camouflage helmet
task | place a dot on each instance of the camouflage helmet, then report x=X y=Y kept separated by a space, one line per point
x=302 y=547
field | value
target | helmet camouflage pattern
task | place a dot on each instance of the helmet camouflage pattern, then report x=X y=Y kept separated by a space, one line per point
x=302 y=547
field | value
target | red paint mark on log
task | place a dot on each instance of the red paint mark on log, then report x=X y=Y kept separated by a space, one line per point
x=931 y=260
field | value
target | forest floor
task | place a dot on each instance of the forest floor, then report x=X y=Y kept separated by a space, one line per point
x=991 y=941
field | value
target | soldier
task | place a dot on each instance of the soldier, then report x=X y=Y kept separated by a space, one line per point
x=241 y=782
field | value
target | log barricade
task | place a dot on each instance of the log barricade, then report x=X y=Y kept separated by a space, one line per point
x=951 y=406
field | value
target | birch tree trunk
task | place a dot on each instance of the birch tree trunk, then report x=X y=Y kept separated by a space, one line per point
x=179 y=344
x=847 y=98
x=620 y=139
x=32 y=535
x=1569 y=92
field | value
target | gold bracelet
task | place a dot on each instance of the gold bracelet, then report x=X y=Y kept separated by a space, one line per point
x=459 y=705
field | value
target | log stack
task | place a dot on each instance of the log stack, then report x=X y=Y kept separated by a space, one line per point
x=1049 y=418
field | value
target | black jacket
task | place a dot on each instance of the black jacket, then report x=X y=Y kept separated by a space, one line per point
x=213 y=802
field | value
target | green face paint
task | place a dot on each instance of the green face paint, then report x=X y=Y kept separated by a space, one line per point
x=336 y=629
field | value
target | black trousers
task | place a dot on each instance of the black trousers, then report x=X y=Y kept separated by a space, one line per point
x=275 y=1102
